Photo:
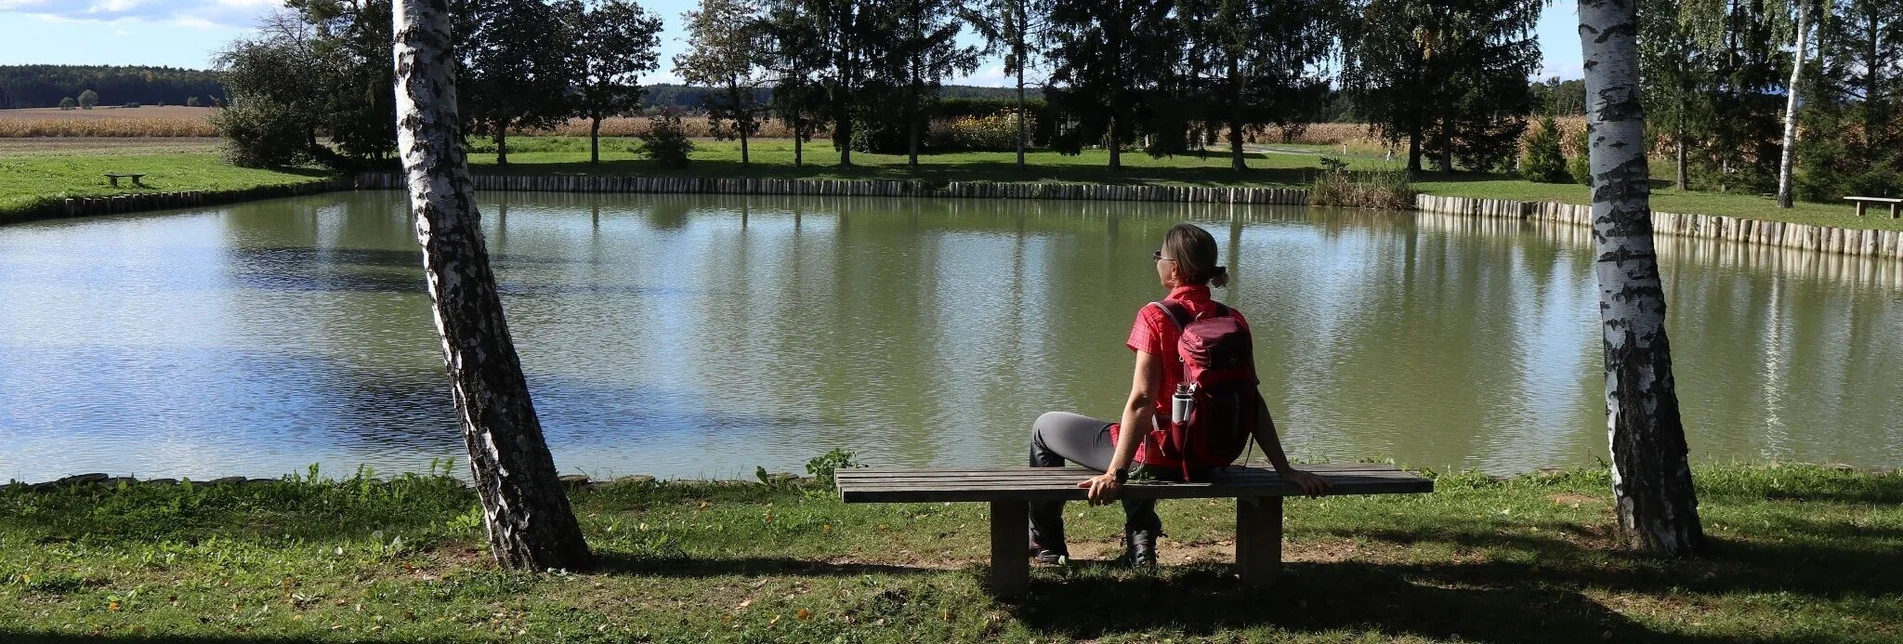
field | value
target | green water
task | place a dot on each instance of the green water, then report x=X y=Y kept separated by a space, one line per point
x=700 y=336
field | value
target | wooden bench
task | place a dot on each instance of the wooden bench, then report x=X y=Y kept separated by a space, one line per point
x=114 y=178
x=1865 y=201
x=1258 y=493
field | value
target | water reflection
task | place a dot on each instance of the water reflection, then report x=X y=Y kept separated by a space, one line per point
x=700 y=336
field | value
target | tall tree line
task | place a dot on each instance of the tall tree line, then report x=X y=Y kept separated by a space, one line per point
x=1742 y=90
x=27 y=86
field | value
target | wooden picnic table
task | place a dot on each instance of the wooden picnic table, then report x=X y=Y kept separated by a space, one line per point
x=135 y=176
x=1865 y=201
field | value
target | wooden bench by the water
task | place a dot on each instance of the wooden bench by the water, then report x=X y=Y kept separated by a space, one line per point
x=1865 y=201
x=1258 y=493
x=115 y=177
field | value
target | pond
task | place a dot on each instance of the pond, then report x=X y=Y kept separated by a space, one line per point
x=702 y=336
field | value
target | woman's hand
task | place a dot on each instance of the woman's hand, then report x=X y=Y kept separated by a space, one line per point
x=1103 y=488
x=1311 y=485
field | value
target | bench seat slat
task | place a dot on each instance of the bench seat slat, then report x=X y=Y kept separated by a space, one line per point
x=869 y=471
x=1052 y=484
x=1074 y=478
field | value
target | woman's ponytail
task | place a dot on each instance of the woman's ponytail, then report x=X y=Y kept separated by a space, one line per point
x=1195 y=252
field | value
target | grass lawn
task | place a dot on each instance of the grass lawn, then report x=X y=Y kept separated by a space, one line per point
x=27 y=180
x=774 y=158
x=36 y=169
x=1798 y=554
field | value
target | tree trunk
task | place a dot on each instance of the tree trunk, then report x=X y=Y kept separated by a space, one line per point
x=1414 y=142
x=1683 y=177
x=799 y=140
x=594 y=140
x=1651 y=480
x=1115 y=46
x=1020 y=56
x=1790 y=112
x=502 y=144
x=911 y=122
x=743 y=118
x=1235 y=115
x=842 y=139
x=530 y=524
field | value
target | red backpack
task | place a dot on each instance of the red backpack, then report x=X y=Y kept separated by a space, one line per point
x=1219 y=381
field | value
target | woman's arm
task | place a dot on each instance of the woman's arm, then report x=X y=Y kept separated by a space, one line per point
x=1139 y=416
x=1311 y=484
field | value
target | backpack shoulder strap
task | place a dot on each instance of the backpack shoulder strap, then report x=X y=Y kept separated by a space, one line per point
x=1176 y=313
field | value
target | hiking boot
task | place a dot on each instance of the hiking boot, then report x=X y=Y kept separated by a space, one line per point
x=1140 y=548
x=1050 y=557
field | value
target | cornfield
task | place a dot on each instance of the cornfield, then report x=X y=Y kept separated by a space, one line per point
x=172 y=121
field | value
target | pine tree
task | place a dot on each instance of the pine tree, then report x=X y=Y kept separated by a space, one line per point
x=1543 y=161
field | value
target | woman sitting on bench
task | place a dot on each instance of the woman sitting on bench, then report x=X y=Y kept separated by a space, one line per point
x=1186 y=265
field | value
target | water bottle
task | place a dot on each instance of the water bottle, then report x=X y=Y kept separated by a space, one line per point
x=1180 y=403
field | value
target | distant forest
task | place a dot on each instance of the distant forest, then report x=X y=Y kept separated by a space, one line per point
x=24 y=86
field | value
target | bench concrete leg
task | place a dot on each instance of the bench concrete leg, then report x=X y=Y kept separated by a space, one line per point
x=136 y=183
x=1259 y=540
x=114 y=180
x=1010 y=561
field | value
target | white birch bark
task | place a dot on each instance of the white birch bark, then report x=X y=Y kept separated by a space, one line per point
x=1651 y=479
x=529 y=522
x=1784 y=198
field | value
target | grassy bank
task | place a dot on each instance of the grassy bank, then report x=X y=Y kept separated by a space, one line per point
x=37 y=169
x=1798 y=554
x=27 y=181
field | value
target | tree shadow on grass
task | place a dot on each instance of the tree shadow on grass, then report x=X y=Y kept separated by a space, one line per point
x=1806 y=561
x=1526 y=587
x=1397 y=601
x=612 y=563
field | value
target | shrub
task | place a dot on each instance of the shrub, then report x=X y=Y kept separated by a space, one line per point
x=260 y=133
x=1544 y=162
x=87 y=99
x=1386 y=188
x=1580 y=163
x=191 y=101
x=133 y=104
x=68 y=103
x=666 y=141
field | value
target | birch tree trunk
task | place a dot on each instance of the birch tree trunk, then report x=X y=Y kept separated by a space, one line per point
x=1651 y=480
x=530 y=524
x=1235 y=114
x=1790 y=111
x=1020 y=70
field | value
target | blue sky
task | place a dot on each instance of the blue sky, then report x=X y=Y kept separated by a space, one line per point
x=186 y=33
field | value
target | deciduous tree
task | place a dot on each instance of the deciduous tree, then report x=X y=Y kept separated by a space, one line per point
x=528 y=518
x=516 y=68
x=615 y=43
x=724 y=38
x=1651 y=478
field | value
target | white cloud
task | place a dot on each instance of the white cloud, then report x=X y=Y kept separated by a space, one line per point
x=199 y=14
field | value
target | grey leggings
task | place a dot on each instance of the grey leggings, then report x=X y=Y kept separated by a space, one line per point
x=1060 y=436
